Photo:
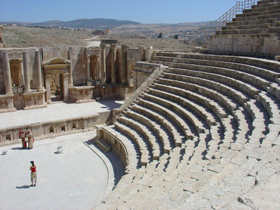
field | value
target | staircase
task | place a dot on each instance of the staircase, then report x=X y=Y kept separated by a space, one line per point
x=204 y=135
x=254 y=33
x=204 y=32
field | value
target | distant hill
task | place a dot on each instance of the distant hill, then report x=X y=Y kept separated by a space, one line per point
x=51 y=23
x=98 y=23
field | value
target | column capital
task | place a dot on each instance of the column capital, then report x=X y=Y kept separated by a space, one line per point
x=124 y=46
x=113 y=46
x=102 y=46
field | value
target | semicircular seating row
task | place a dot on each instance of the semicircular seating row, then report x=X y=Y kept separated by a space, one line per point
x=204 y=135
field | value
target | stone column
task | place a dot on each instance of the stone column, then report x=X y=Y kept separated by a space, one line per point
x=70 y=79
x=113 y=59
x=94 y=64
x=7 y=74
x=103 y=64
x=97 y=68
x=21 y=73
x=26 y=72
x=124 y=65
x=39 y=70
x=88 y=68
x=65 y=87
x=48 y=88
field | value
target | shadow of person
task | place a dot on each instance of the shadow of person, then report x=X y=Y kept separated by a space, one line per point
x=18 y=148
x=23 y=187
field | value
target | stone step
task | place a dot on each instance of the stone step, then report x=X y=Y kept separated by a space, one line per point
x=167 y=129
x=117 y=192
x=206 y=93
x=220 y=111
x=238 y=88
x=131 y=148
x=257 y=11
x=145 y=152
x=251 y=25
x=242 y=68
x=148 y=131
x=149 y=136
x=225 y=70
x=174 y=120
x=274 y=14
x=262 y=63
x=199 y=124
x=167 y=54
x=199 y=71
x=221 y=88
x=162 y=135
x=274 y=89
x=271 y=105
x=254 y=31
x=199 y=110
x=272 y=21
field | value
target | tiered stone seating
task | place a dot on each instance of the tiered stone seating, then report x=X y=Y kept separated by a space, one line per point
x=164 y=58
x=216 y=122
x=255 y=32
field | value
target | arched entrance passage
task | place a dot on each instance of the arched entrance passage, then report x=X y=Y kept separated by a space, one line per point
x=56 y=72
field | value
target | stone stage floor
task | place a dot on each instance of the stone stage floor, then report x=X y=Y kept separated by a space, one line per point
x=54 y=112
x=78 y=178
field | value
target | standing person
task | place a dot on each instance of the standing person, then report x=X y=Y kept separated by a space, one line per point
x=30 y=139
x=22 y=136
x=33 y=173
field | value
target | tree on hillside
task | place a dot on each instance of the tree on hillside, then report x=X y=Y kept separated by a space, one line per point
x=160 y=35
x=176 y=36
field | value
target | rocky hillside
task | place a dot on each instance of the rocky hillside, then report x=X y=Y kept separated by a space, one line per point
x=97 y=23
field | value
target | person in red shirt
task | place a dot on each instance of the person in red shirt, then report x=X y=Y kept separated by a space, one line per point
x=33 y=173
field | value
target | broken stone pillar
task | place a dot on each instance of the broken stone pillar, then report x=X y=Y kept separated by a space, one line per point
x=65 y=87
x=103 y=64
x=39 y=70
x=26 y=72
x=149 y=53
x=88 y=68
x=88 y=64
x=124 y=65
x=7 y=74
x=48 y=88
x=94 y=67
x=113 y=59
x=70 y=79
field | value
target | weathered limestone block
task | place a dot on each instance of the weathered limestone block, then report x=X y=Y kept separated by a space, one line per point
x=7 y=103
x=34 y=100
x=81 y=94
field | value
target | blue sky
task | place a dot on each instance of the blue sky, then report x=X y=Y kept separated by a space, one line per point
x=143 y=11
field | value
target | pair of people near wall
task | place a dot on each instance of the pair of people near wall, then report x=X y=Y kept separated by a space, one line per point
x=26 y=138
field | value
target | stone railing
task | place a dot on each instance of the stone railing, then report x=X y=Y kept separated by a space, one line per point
x=117 y=147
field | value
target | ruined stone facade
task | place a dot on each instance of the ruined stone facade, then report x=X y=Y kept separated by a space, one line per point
x=33 y=77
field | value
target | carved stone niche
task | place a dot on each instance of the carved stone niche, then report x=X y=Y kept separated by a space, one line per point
x=60 y=68
x=16 y=72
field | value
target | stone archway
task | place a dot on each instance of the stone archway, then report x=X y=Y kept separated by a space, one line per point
x=56 y=71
